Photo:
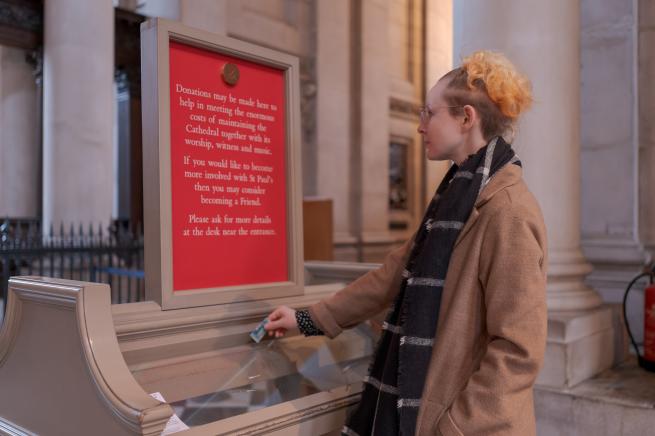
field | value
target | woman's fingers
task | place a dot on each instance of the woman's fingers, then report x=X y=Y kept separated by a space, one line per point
x=273 y=325
x=274 y=320
x=275 y=315
x=280 y=320
x=277 y=320
x=277 y=332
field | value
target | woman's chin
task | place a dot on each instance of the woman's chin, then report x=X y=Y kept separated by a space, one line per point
x=432 y=155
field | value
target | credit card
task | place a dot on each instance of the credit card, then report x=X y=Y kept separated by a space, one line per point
x=258 y=334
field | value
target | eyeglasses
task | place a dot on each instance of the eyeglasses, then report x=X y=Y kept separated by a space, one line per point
x=425 y=113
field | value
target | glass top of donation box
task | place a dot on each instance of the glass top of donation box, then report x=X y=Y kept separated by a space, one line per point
x=269 y=374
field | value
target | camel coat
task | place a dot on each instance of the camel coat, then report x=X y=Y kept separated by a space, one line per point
x=491 y=335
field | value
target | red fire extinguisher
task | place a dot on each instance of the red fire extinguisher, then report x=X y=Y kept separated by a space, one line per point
x=647 y=361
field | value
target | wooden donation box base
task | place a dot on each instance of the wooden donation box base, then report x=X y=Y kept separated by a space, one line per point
x=223 y=248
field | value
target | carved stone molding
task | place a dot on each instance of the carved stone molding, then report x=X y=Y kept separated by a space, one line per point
x=404 y=108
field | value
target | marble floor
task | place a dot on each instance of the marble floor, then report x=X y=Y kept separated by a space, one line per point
x=626 y=384
x=617 y=402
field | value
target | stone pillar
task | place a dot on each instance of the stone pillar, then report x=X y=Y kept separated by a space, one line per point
x=543 y=40
x=78 y=175
x=370 y=157
x=353 y=124
x=646 y=92
x=209 y=15
x=610 y=146
x=19 y=144
x=169 y=9
x=333 y=118
x=438 y=61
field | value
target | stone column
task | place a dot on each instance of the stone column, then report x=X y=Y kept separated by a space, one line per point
x=611 y=225
x=78 y=175
x=646 y=92
x=353 y=124
x=543 y=40
x=438 y=61
x=370 y=173
x=209 y=15
x=333 y=118
x=169 y=9
x=19 y=144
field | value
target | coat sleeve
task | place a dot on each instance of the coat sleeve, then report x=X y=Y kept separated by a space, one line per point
x=513 y=278
x=364 y=297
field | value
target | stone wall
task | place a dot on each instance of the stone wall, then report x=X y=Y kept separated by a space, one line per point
x=616 y=110
x=19 y=141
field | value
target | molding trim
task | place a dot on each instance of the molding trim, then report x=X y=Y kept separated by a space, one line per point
x=9 y=328
x=624 y=252
x=615 y=263
x=404 y=108
x=12 y=429
x=143 y=320
x=344 y=272
x=282 y=422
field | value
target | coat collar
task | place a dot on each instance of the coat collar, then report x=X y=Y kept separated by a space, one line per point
x=509 y=175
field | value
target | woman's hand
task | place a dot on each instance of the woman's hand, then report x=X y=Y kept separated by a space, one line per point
x=281 y=320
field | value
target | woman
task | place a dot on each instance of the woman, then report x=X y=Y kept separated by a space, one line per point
x=465 y=338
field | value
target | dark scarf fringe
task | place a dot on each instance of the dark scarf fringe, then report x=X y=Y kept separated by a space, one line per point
x=392 y=391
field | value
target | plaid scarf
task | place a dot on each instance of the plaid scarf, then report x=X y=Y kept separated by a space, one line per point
x=392 y=391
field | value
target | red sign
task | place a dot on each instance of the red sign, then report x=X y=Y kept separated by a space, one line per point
x=228 y=176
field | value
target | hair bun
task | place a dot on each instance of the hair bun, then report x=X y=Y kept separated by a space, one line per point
x=510 y=90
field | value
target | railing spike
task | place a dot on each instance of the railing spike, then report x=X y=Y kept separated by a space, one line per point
x=18 y=233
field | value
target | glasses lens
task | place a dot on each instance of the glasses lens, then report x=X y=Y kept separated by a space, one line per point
x=423 y=115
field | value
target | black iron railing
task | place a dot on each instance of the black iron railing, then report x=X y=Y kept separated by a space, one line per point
x=88 y=253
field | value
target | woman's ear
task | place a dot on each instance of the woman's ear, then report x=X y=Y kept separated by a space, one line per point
x=470 y=116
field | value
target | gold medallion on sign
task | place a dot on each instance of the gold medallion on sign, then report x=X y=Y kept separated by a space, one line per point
x=230 y=74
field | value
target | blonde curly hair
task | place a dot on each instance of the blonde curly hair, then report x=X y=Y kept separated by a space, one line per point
x=489 y=82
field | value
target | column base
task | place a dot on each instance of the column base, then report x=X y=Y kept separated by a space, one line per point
x=566 y=290
x=616 y=263
x=580 y=345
